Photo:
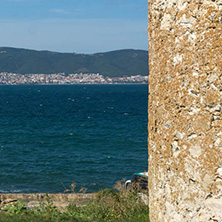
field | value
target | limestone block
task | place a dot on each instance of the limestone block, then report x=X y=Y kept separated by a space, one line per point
x=185 y=114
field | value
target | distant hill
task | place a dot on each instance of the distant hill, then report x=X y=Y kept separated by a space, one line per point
x=115 y=63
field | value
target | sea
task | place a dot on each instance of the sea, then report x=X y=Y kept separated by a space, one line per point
x=52 y=136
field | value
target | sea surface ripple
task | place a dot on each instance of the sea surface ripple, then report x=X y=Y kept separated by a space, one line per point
x=52 y=136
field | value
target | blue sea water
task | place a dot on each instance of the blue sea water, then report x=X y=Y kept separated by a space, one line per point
x=52 y=136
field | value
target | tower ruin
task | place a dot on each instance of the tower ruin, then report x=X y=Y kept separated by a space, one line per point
x=185 y=110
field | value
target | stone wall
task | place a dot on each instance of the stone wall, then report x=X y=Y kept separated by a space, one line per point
x=60 y=200
x=185 y=117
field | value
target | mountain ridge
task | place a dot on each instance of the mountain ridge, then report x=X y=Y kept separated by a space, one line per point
x=124 y=62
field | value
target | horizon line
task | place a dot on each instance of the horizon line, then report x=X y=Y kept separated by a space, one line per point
x=46 y=50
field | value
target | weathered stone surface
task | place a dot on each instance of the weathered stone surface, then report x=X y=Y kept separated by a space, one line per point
x=185 y=117
x=59 y=200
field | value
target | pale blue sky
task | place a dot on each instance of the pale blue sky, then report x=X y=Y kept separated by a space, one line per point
x=82 y=26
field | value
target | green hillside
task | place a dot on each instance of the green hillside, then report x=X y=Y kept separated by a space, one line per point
x=115 y=63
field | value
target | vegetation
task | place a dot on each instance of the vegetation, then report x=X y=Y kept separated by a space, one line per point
x=113 y=205
x=113 y=64
x=109 y=205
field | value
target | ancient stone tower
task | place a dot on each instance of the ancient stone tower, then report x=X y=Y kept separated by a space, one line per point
x=185 y=110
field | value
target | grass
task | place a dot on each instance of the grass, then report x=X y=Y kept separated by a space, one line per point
x=108 y=206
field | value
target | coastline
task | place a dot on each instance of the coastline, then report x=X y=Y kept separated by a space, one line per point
x=77 y=84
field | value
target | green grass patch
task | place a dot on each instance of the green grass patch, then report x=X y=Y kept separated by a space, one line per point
x=108 y=206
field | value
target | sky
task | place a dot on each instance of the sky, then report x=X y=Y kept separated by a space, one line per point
x=80 y=26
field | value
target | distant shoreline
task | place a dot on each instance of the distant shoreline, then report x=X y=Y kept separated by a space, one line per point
x=74 y=84
x=67 y=79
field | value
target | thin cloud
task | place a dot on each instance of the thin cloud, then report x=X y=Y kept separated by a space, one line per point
x=63 y=34
x=59 y=11
x=21 y=1
x=115 y=2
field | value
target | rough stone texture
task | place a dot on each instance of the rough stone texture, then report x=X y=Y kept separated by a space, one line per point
x=185 y=117
x=59 y=200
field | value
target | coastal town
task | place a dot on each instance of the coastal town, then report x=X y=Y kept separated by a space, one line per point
x=67 y=79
